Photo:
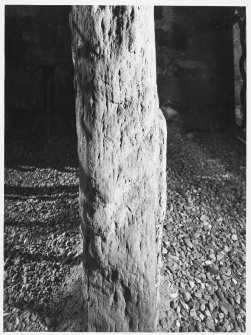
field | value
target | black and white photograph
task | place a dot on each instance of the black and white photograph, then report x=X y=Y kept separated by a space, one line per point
x=124 y=167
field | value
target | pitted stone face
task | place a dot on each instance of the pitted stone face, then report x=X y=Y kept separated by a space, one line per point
x=122 y=154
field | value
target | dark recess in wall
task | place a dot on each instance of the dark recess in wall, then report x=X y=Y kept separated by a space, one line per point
x=175 y=40
x=38 y=71
x=158 y=12
x=194 y=55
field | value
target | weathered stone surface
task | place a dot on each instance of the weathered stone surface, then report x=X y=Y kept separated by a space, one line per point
x=122 y=152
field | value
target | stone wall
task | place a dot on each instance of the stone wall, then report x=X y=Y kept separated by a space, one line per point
x=39 y=94
x=194 y=66
x=195 y=62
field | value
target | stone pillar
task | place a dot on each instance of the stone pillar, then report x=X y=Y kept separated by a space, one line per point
x=122 y=156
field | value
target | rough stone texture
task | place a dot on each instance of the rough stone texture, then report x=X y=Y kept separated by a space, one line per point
x=122 y=155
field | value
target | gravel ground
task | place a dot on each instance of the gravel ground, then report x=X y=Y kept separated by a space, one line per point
x=204 y=243
x=41 y=231
x=203 y=273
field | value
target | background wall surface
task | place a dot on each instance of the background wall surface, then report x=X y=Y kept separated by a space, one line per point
x=38 y=68
x=194 y=49
x=195 y=61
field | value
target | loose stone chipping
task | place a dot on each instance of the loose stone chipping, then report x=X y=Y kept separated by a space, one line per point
x=122 y=159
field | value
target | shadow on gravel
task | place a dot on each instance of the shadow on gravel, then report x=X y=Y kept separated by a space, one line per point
x=37 y=256
x=49 y=224
x=27 y=155
x=42 y=193
x=42 y=227
x=212 y=149
x=218 y=143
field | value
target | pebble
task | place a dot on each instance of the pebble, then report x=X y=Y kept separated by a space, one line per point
x=192 y=284
x=243 y=258
x=27 y=286
x=174 y=295
x=5 y=298
x=164 y=251
x=190 y=136
x=212 y=256
x=227 y=326
x=204 y=218
x=234 y=281
x=210 y=324
x=211 y=306
x=177 y=323
x=162 y=323
x=167 y=243
x=182 y=285
x=243 y=305
x=26 y=315
x=220 y=256
x=50 y=321
x=191 y=328
x=193 y=313
x=238 y=299
x=220 y=328
x=174 y=304
x=184 y=305
x=232 y=314
x=199 y=328
x=243 y=327
x=214 y=269
x=237 y=330
x=202 y=307
x=225 y=305
x=188 y=243
x=206 y=224
x=221 y=315
x=234 y=237
x=9 y=326
x=220 y=295
x=17 y=261
x=224 y=310
x=62 y=251
x=198 y=294
x=187 y=296
x=207 y=313
x=227 y=272
x=184 y=329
